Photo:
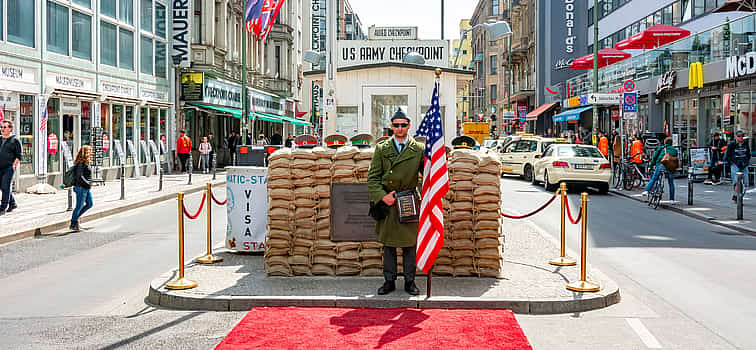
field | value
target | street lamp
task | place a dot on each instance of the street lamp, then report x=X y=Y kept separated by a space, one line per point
x=496 y=30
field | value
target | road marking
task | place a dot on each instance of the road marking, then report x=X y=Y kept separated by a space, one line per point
x=643 y=333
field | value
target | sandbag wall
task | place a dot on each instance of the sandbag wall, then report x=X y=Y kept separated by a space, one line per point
x=298 y=241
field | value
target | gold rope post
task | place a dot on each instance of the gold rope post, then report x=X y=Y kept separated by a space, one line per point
x=562 y=260
x=181 y=282
x=583 y=285
x=209 y=258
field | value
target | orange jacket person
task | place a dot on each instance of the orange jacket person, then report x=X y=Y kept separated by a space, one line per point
x=636 y=151
x=603 y=144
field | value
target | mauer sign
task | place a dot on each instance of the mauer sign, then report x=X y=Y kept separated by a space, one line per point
x=358 y=52
x=181 y=22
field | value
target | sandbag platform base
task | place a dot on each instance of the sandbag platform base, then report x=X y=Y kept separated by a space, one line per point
x=528 y=285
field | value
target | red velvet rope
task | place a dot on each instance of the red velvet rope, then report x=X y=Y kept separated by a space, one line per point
x=569 y=214
x=202 y=204
x=534 y=212
x=216 y=199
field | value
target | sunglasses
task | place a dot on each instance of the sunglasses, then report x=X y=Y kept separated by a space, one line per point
x=400 y=125
x=5 y=127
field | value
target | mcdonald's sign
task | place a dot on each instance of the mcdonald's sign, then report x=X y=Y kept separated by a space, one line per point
x=695 y=76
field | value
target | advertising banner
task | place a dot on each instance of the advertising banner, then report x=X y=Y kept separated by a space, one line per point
x=699 y=160
x=40 y=167
x=246 y=208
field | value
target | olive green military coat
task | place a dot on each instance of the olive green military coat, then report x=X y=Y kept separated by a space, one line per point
x=391 y=171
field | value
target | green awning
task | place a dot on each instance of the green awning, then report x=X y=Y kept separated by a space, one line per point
x=237 y=113
x=266 y=117
x=283 y=118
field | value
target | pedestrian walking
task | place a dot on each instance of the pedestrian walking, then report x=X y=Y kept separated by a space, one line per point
x=716 y=147
x=616 y=147
x=213 y=147
x=276 y=139
x=10 y=156
x=394 y=170
x=289 y=142
x=205 y=149
x=738 y=155
x=665 y=150
x=603 y=144
x=231 y=142
x=81 y=185
x=183 y=148
x=261 y=140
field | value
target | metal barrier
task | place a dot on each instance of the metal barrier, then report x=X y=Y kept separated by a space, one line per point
x=182 y=282
x=582 y=285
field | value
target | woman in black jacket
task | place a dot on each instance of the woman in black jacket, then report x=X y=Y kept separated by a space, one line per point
x=82 y=184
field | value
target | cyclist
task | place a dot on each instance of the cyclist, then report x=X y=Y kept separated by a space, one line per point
x=660 y=169
x=738 y=155
x=715 y=167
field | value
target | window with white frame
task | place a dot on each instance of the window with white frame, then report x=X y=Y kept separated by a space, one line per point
x=69 y=28
x=117 y=33
x=152 y=38
x=17 y=22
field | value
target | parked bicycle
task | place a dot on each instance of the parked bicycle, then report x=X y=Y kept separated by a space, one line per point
x=630 y=175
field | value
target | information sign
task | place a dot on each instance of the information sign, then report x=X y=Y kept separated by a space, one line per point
x=67 y=154
x=119 y=151
x=699 y=160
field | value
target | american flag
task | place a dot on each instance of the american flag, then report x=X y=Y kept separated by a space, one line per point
x=2 y=113
x=430 y=235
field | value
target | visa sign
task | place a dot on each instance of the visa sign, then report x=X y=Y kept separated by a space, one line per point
x=738 y=66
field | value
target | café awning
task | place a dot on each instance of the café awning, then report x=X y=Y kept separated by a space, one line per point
x=652 y=37
x=533 y=115
x=569 y=115
x=233 y=111
x=279 y=118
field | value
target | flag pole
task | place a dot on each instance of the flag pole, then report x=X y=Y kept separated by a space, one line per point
x=430 y=271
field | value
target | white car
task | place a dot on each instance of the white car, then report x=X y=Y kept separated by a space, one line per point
x=519 y=156
x=580 y=164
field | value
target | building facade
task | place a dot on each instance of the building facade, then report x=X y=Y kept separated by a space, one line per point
x=86 y=72
x=487 y=88
x=461 y=58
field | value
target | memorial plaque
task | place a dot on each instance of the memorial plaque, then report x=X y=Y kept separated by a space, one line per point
x=350 y=204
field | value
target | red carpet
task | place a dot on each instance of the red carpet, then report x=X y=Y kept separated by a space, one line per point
x=406 y=329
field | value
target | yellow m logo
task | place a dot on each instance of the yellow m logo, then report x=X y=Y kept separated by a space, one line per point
x=695 y=76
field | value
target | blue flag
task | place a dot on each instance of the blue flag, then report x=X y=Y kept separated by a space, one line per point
x=252 y=9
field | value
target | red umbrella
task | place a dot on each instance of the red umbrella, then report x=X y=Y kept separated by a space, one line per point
x=652 y=37
x=737 y=5
x=605 y=57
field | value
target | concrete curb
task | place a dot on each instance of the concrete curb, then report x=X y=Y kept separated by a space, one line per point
x=61 y=224
x=581 y=302
x=691 y=214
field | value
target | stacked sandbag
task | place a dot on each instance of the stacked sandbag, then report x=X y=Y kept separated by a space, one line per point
x=322 y=180
x=362 y=163
x=462 y=167
x=280 y=215
x=487 y=216
x=343 y=168
x=371 y=259
x=303 y=162
x=348 y=258
x=324 y=258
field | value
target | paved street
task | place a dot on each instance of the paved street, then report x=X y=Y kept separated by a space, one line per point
x=685 y=284
x=688 y=282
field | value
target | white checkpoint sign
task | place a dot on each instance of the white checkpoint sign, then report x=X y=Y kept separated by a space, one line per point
x=247 y=208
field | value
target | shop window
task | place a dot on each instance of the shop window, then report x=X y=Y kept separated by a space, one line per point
x=153 y=124
x=20 y=26
x=129 y=128
x=26 y=133
x=161 y=131
x=146 y=15
x=108 y=44
x=57 y=28
x=145 y=55
x=143 y=117
x=117 y=121
x=53 y=135
x=107 y=140
x=81 y=35
x=126 y=49
x=86 y=123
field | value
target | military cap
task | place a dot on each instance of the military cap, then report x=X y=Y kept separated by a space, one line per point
x=362 y=140
x=399 y=115
x=306 y=141
x=335 y=140
x=463 y=141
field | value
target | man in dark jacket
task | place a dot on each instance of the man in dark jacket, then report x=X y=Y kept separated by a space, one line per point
x=396 y=163
x=232 y=141
x=738 y=155
x=10 y=156
x=715 y=167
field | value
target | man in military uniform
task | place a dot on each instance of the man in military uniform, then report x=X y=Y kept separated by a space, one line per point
x=394 y=168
